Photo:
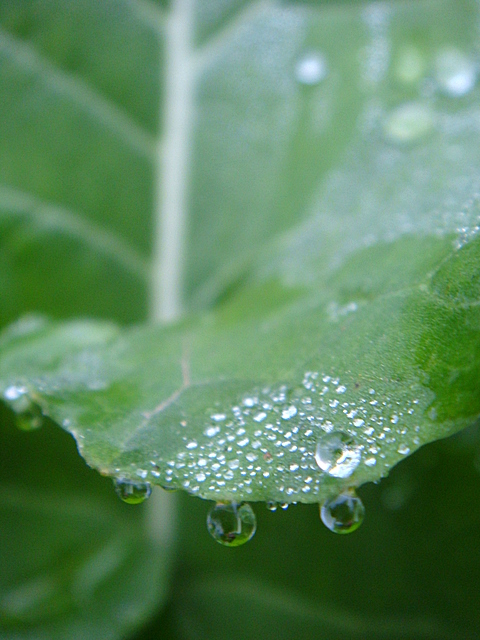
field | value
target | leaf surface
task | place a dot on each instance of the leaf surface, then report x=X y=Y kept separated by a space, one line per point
x=328 y=252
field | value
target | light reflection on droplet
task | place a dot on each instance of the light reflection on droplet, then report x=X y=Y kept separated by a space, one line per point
x=132 y=492
x=344 y=513
x=337 y=454
x=231 y=524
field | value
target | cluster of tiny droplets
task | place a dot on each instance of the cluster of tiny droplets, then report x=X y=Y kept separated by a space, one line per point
x=267 y=441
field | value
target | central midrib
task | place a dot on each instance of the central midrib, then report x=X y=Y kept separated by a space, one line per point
x=183 y=66
x=172 y=166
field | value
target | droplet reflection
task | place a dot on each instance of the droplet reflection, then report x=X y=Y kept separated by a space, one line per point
x=337 y=454
x=344 y=513
x=231 y=523
x=28 y=414
x=132 y=492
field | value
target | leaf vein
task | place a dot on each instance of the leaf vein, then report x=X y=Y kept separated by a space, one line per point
x=79 y=92
x=71 y=223
x=207 y=53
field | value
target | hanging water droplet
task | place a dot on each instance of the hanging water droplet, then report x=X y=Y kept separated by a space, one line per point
x=344 y=513
x=169 y=489
x=28 y=414
x=132 y=492
x=408 y=123
x=31 y=419
x=311 y=69
x=337 y=454
x=231 y=523
x=455 y=72
x=272 y=505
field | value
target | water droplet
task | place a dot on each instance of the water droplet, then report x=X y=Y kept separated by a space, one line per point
x=272 y=505
x=132 y=492
x=211 y=431
x=14 y=393
x=28 y=414
x=31 y=419
x=408 y=123
x=344 y=513
x=231 y=523
x=289 y=412
x=403 y=449
x=338 y=454
x=311 y=69
x=455 y=72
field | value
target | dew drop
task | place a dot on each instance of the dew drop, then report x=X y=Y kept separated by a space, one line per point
x=272 y=505
x=28 y=414
x=289 y=412
x=408 y=123
x=337 y=454
x=231 y=523
x=211 y=431
x=311 y=69
x=455 y=72
x=14 y=393
x=344 y=513
x=403 y=449
x=132 y=492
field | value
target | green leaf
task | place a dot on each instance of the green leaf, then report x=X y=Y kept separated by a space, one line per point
x=76 y=562
x=335 y=228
